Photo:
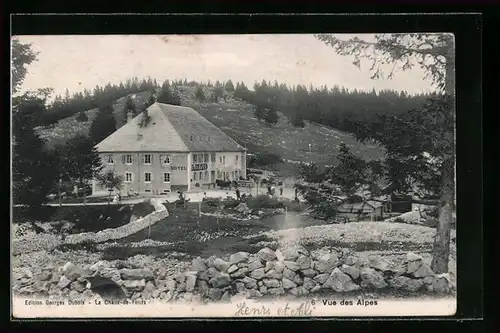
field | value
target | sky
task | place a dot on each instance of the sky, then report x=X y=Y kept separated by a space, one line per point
x=78 y=62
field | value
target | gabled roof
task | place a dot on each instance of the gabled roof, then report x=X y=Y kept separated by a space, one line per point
x=171 y=128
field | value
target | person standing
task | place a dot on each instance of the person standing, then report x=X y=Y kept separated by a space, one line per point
x=238 y=195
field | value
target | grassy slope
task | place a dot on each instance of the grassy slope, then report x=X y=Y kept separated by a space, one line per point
x=236 y=118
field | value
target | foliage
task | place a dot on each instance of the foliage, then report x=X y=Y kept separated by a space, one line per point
x=103 y=125
x=82 y=116
x=200 y=94
x=263 y=159
x=263 y=201
x=34 y=168
x=110 y=180
x=229 y=87
x=166 y=96
x=22 y=56
x=79 y=160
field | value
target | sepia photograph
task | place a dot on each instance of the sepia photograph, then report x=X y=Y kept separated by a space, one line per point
x=238 y=175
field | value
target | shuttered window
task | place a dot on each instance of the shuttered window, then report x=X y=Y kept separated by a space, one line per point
x=148 y=159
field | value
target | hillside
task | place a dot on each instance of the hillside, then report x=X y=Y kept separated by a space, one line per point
x=236 y=118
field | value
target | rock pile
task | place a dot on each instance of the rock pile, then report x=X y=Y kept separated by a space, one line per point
x=268 y=273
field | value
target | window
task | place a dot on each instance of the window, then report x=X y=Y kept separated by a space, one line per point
x=219 y=175
x=205 y=158
x=199 y=138
x=194 y=176
x=206 y=175
x=220 y=159
x=128 y=177
x=166 y=177
x=128 y=159
x=224 y=160
x=110 y=159
x=195 y=158
x=147 y=177
x=190 y=138
x=147 y=191
x=236 y=158
x=213 y=157
x=166 y=190
x=165 y=159
x=147 y=159
x=212 y=176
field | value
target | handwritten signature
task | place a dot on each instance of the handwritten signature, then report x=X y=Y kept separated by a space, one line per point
x=303 y=309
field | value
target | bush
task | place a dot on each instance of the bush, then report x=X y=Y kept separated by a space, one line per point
x=263 y=201
x=231 y=203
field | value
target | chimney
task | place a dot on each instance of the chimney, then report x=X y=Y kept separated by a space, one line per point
x=130 y=116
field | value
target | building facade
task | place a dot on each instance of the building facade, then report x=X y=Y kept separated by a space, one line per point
x=178 y=150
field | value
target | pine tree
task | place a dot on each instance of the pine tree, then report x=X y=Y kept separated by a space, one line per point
x=200 y=94
x=103 y=125
x=166 y=95
x=229 y=86
x=271 y=116
x=176 y=98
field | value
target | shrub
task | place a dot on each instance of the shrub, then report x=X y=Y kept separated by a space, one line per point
x=231 y=203
x=263 y=201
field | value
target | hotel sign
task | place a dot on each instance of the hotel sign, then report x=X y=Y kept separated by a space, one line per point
x=199 y=167
x=174 y=168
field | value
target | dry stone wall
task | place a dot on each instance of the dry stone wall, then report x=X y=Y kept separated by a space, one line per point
x=123 y=231
x=268 y=273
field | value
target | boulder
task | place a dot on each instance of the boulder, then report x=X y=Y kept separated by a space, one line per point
x=289 y=274
x=279 y=266
x=340 y=282
x=279 y=255
x=134 y=285
x=148 y=291
x=291 y=265
x=240 y=273
x=240 y=287
x=257 y=274
x=71 y=271
x=249 y=282
x=63 y=282
x=263 y=290
x=271 y=283
x=215 y=294
x=44 y=276
x=353 y=272
x=351 y=260
x=276 y=291
x=414 y=262
x=221 y=265
x=269 y=266
x=253 y=293
x=441 y=284
x=304 y=262
x=243 y=208
x=326 y=263
x=77 y=286
x=423 y=271
x=203 y=287
x=254 y=265
x=190 y=282
x=220 y=281
x=290 y=253
x=232 y=268
x=287 y=284
x=238 y=257
x=136 y=274
x=226 y=297
x=309 y=283
x=321 y=278
x=272 y=274
x=406 y=283
x=377 y=262
x=309 y=272
x=371 y=277
x=198 y=265
x=266 y=254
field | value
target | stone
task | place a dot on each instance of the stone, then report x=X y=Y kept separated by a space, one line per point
x=263 y=290
x=290 y=253
x=74 y=295
x=297 y=279
x=351 y=260
x=97 y=266
x=266 y=254
x=304 y=262
x=111 y=274
x=87 y=293
x=321 y=278
x=309 y=272
x=252 y=293
x=240 y=287
x=279 y=266
x=238 y=257
x=271 y=283
x=289 y=274
x=240 y=273
x=180 y=287
x=198 y=265
x=232 y=268
x=156 y=293
x=377 y=262
x=423 y=271
x=190 y=282
x=242 y=208
x=44 y=276
x=316 y=289
x=371 y=277
x=221 y=265
x=340 y=282
x=279 y=255
x=148 y=290
x=242 y=265
x=213 y=272
x=294 y=291
x=428 y=280
x=134 y=285
x=411 y=256
x=276 y=291
x=71 y=271
x=170 y=284
x=291 y=265
x=203 y=287
x=226 y=297
x=136 y=274
x=269 y=266
x=255 y=265
x=220 y=281
x=188 y=297
x=441 y=284
x=309 y=283
x=63 y=282
x=301 y=291
x=272 y=274
x=326 y=263
x=77 y=286
x=287 y=284
x=353 y=272
x=249 y=282
x=257 y=274
x=179 y=277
